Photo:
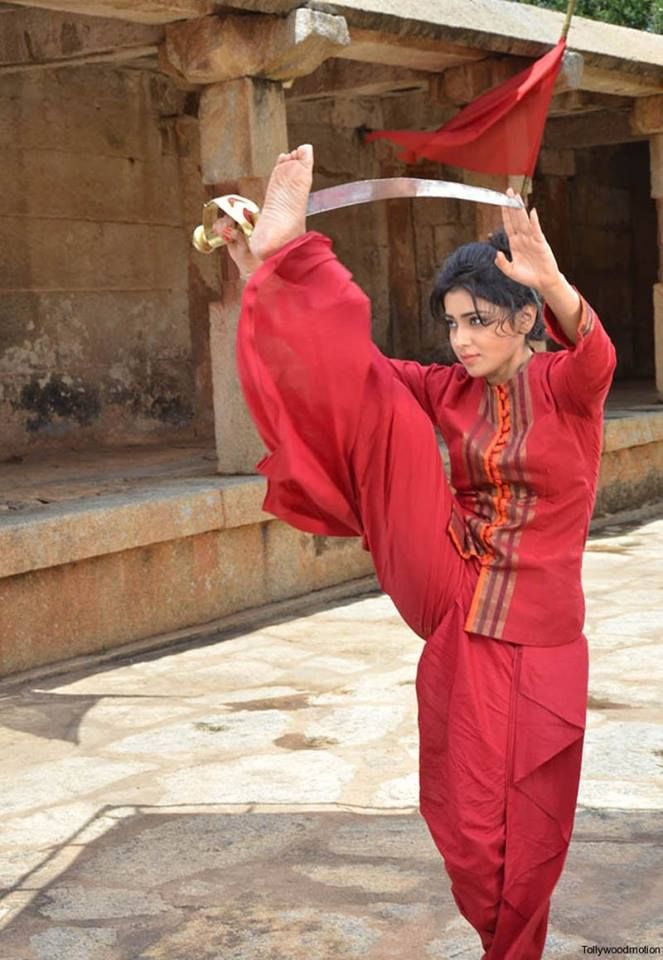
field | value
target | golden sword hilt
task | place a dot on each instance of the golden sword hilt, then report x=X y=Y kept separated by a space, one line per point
x=244 y=212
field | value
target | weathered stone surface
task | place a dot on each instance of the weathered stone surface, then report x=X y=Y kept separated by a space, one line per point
x=556 y=163
x=239 y=447
x=658 y=336
x=67 y=534
x=219 y=49
x=160 y=586
x=96 y=337
x=647 y=116
x=68 y=184
x=464 y=83
x=656 y=161
x=583 y=101
x=138 y=11
x=352 y=79
x=242 y=129
x=33 y=37
x=413 y=52
x=84 y=255
x=599 y=128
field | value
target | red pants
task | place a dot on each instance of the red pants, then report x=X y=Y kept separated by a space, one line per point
x=501 y=726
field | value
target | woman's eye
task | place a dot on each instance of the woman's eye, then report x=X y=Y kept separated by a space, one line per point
x=451 y=324
x=476 y=321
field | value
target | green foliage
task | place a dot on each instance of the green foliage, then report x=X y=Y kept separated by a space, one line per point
x=639 y=14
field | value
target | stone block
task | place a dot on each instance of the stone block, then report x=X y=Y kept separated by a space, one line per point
x=464 y=83
x=253 y=111
x=73 y=531
x=656 y=165
x=69 y=184
x=218 y=48
x=447 y=237
x=434 y=211
x=238 y=445
x=629 y=477
x=138 y=593
x=92 y=110
x=647 y=115
x=115 y=332
x=242 y=501
x=186 y=577
x=424 y=242
x=296 y=562
x=556 y=163
x=658 y=336
x=84 y=255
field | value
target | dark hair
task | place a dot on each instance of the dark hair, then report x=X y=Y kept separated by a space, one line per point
x=472 y=267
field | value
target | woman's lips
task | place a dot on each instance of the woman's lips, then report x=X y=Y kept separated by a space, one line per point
x=469 y=357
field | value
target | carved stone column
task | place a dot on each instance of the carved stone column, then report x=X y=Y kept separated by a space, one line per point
x=244 y=63
x=647 y=117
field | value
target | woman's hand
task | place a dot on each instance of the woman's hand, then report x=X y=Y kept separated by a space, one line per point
x=237 y=245
x=533 y=262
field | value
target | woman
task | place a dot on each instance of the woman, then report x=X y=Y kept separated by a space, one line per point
x=489 y=573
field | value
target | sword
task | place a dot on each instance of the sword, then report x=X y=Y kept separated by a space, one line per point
x=245 y=213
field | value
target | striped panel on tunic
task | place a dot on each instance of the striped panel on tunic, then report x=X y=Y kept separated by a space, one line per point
x=495 y=458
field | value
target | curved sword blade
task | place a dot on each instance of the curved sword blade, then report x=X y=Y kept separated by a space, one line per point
x=365 y=191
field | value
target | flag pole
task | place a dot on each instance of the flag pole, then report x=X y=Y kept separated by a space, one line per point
x=569 y=16
x=570 y=10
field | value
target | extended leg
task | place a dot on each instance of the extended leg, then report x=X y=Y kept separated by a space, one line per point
x=352 y=452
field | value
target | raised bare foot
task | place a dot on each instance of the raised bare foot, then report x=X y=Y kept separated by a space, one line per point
x=283 y=215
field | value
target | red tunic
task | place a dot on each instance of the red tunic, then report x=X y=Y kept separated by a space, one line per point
x=524 y=455
x=525 y=460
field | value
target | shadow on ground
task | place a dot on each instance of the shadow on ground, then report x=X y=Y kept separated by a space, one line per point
x=198 y=884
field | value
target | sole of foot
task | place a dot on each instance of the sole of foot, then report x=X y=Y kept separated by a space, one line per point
x=283 y=214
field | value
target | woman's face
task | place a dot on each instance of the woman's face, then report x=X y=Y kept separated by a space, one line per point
x=485 y=346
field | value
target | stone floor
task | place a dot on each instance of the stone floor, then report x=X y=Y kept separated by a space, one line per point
x=253 y=797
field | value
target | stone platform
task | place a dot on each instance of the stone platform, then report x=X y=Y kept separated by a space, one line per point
x=163 y=543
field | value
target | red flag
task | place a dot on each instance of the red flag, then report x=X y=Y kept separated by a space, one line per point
x=499 y=132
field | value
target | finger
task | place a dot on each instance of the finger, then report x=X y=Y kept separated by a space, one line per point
x=536 y=225
x=503 y=264
x=519 y=215
x=222 y=223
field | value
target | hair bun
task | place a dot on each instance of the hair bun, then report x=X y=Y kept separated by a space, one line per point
x=499 y=241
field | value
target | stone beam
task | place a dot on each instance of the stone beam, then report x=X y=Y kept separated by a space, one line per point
x=224 y=48
x=32 y=39
x=647 y=115
x=590 y=130
x=135 y=11
x=462 y=84
x=620 y=82
x=656 y=168
x=410 y=52
x=144 y=57
x=347 y=78
x=581 y=101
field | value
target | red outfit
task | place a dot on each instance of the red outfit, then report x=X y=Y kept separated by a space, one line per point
x=490 y=576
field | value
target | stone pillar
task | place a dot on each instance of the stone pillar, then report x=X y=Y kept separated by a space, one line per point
x=647 y=118
x=242 y=131
x=656 y=161
x=242 y=124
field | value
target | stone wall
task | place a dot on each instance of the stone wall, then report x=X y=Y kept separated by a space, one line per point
x=601 y=222
x=103 y=322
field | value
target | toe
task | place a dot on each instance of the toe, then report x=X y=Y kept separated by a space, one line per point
x=305 y=153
